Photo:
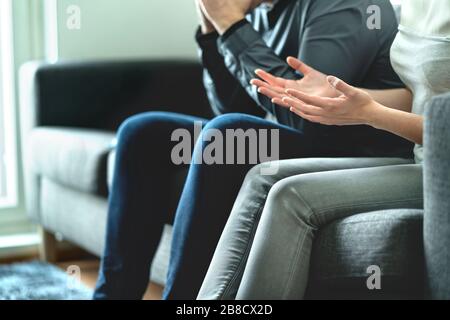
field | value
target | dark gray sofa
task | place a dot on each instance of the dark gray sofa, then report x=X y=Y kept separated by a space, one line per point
x=70 y=112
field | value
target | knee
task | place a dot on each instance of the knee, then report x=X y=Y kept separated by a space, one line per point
x=232 y=129
x=144 y=128
x=231 y=121
x=286 y=200
x=257 y=180
x=283 y=192
x=217 y=126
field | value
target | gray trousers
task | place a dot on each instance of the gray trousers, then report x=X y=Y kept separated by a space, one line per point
x=265 y=248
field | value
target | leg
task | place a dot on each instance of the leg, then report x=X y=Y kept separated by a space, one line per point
x=227 y=266
x=138 y=202
x=48 y=247
x=210 y=192
x=296 y=207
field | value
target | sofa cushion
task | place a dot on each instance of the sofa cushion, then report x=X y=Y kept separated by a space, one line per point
x=391 y=240
x=72 y=157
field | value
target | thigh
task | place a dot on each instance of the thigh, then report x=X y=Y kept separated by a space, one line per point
x=282 y=142
x=144 y=173
x=331 y=195
x=226 y=268
x=154 y=128
x=296 y=207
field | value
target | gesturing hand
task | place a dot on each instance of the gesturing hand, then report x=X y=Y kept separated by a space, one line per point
x=314 y=82
x=224 y=13
x=353 y=106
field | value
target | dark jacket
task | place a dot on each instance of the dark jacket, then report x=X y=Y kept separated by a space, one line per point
x=331 y=36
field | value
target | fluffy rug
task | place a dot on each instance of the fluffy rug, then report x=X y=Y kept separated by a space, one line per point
x=39 y=281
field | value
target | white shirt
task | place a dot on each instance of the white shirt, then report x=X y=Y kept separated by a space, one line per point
x=428 y=18
x=420 y=53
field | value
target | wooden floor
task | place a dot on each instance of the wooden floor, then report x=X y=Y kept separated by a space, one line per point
x=89 y=274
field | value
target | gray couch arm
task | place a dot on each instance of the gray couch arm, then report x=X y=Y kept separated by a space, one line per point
x=437 y=196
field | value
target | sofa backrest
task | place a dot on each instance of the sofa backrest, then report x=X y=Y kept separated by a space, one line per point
x=102 y=94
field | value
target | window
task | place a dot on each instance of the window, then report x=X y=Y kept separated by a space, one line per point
x=8 y=148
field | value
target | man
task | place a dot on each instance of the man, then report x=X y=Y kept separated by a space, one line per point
x=236 y=38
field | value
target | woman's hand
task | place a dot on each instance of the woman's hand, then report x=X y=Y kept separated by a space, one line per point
x=352 y=107
x=314 y=83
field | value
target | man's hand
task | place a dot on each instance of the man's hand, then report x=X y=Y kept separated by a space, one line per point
x=313 y=83
x=224 y=13
x=205 y=25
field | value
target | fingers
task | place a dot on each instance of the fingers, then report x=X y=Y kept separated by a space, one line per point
x=270 y=79
x=341 y=86
x=305 y=116
x=268 y=90
x=275 y=93
x=270 y=93
x=261 y=84
x=303 y=107
x=280 y=102
x=298 y=65
x=313 y=100
x=312 y=118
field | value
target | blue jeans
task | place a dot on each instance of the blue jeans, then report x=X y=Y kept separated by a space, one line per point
x=138 y=206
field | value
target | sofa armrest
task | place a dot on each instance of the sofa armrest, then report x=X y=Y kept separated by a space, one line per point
x=100 y=95
x=73 y=158
x=437 y=196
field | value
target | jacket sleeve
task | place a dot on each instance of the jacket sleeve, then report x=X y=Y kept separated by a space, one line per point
x=225 y=92
x=327 y=41
x=245 y=51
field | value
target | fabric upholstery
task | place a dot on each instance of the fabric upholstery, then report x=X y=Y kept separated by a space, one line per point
x=77 y=216
x=101 y=95
x=73 y=157
x=437 y=196
x=343 y=251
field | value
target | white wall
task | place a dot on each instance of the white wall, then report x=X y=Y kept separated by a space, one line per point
x=127 y=29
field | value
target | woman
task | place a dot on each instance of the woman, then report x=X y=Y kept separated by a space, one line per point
x=317 y=192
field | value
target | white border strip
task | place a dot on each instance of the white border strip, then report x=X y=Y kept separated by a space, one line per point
x=51 y=30
x=8 y=102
